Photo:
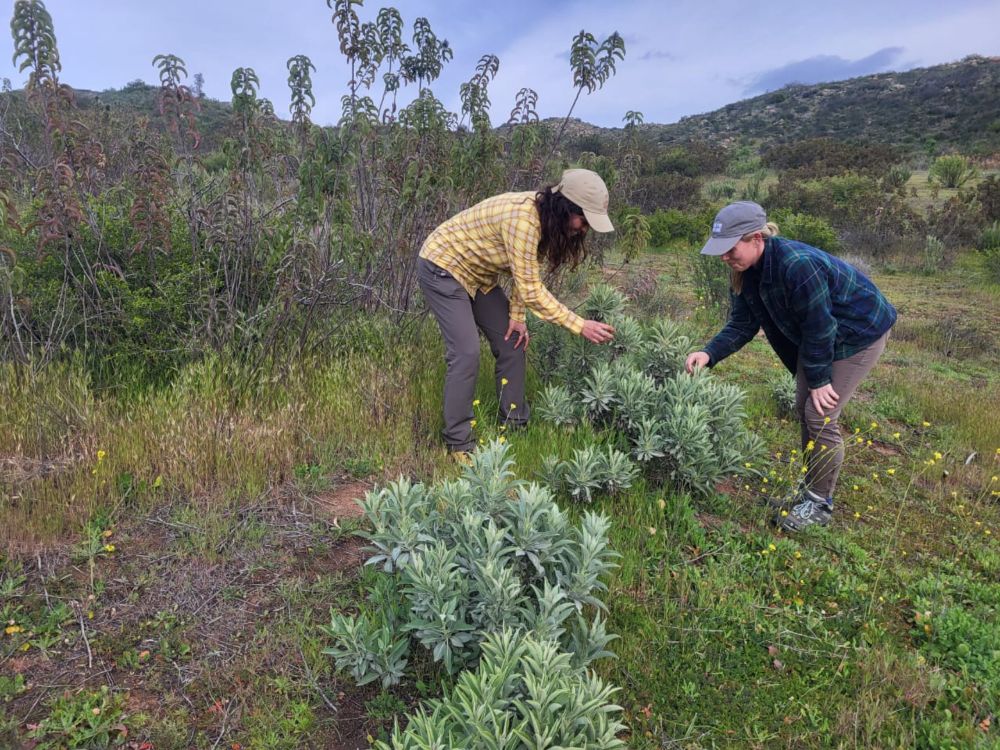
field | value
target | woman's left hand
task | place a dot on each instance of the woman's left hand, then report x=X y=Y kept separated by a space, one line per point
x=521 y=329
x=824 y=398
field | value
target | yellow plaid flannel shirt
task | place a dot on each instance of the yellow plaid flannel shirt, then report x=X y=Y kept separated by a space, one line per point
x=499 y=235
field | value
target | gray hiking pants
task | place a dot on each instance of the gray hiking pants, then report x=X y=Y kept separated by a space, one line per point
x=459 y=316
x=827 y=454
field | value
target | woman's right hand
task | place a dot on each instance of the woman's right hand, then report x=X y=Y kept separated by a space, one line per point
x=695 y=361
x=596 y=332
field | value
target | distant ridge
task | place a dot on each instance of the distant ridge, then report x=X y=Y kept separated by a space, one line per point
x=954 y=105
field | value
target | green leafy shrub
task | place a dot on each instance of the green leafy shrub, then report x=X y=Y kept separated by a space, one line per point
x=721 y=191
x=712 y=283
x=812 y=230
x=952 y=171
x=469 y=557
x=989 y=238
x=989 y=248
x=525 y=693
x=672 y=226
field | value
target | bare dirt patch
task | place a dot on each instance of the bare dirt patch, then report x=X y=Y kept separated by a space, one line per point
x=193 y=608
x=342 y=500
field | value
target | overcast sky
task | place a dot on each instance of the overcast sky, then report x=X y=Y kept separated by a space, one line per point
x=682 y=56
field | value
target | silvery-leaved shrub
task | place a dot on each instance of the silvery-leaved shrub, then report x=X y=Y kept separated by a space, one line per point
x=589 y=471
x=526 y=692
x=685 y=430
x=783 y=390
x=468 y=557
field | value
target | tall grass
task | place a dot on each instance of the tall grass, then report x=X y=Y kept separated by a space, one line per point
x=217 y=433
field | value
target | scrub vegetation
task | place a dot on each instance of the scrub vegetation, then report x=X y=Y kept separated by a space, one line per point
x=219 y=399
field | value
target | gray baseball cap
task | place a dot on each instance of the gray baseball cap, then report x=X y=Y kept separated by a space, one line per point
x=731 y=223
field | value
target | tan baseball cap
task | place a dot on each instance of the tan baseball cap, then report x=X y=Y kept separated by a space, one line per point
x=587 y=190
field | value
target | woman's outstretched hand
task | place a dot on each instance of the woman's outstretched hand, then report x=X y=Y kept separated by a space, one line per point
x=597 y=333
x=695 y=361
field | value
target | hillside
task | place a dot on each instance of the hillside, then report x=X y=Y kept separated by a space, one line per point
x=953 y=105
x=956 y=104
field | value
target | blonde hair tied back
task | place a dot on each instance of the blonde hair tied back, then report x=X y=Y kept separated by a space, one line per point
x=770 y=229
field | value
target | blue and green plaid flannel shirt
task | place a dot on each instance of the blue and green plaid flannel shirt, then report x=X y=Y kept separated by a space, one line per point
x=813 y=307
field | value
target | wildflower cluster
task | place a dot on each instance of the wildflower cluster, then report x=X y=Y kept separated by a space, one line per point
x=489 y=427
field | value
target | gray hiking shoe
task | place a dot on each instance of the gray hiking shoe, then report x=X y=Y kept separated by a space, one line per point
x=807 y=513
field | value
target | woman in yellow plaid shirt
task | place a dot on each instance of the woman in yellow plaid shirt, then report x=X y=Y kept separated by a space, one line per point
x=458 y=271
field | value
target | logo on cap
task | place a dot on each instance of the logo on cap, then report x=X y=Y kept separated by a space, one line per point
x=717 y=227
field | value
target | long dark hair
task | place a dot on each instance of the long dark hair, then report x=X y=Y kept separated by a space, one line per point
x=557 y=247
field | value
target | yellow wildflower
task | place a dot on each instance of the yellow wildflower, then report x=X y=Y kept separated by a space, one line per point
x=106 y=533
x=896 y=435
x=826 y=420
x=890 y=472
x=473 y=423
x=810 y=445
x=651 y=530
x=12 y=629
x=857 y=515
x=662 y=503
x=501 y=440
x=856 y=488
x=503 y=381
x=772 y=547
x=476 y=402
x=513 y=406
x=109 y=548
x=874 y=425
x=937 y=455
x=926 y=423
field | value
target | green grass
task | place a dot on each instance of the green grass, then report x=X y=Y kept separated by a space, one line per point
x=878 y=632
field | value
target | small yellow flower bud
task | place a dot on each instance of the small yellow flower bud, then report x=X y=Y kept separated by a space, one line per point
x=503 y=381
